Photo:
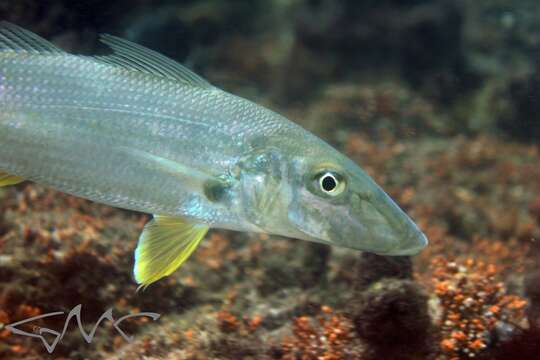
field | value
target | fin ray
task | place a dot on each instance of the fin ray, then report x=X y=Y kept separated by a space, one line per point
x=15 y=38
x=8 y=179
x=188 y=176
x=165 y=244
x=131 y=56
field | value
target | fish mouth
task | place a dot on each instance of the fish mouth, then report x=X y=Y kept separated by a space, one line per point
x=411 y=246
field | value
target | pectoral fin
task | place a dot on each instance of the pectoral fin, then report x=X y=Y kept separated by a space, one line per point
x=190 y=178
x=8 y=179
x=165 y=243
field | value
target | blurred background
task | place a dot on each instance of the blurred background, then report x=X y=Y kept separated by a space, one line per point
x=438 y=100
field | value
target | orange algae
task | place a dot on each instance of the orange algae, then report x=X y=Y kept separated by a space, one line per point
x=472 y=301
x=328 y=336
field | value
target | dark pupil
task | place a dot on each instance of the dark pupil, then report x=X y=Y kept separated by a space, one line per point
x=328 y=183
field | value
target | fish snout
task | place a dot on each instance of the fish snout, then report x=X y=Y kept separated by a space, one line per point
x=411 y=242
x=403 y=237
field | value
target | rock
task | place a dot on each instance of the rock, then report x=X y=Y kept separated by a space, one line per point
x=371 y=268
x=392 y=316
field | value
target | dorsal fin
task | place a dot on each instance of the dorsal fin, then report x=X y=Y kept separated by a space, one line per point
x=15 y=38
x=131 y=56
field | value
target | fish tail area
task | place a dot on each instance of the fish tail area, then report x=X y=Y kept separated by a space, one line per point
x=165 y=243
x=8 y=179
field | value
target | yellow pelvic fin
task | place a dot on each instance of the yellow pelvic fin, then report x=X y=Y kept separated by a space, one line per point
x=8 y=179
x=165 y=243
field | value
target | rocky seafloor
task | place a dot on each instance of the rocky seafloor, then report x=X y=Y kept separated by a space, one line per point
x=437 y=100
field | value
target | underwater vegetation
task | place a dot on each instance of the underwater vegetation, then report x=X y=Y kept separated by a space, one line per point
x=474 y=303
x=443 y=116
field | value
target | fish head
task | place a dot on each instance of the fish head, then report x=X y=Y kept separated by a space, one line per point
x=333 y=201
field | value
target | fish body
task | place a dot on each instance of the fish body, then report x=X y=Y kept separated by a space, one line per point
x=89 y=129
x=138 y=131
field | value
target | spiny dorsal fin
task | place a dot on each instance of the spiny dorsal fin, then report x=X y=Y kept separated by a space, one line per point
x=15 y=38
x=131 y=56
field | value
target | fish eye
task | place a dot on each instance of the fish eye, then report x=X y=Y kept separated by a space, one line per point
x=330 y=183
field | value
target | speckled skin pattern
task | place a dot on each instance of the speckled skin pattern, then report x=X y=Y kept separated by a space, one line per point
x=65 y=118
x=88 y=128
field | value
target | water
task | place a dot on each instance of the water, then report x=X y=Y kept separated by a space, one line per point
x=436 y=100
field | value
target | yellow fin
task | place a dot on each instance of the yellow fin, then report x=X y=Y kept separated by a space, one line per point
x=8 y=179
x=165 y=243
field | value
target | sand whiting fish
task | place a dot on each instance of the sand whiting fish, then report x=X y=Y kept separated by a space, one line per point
x=137 y=130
